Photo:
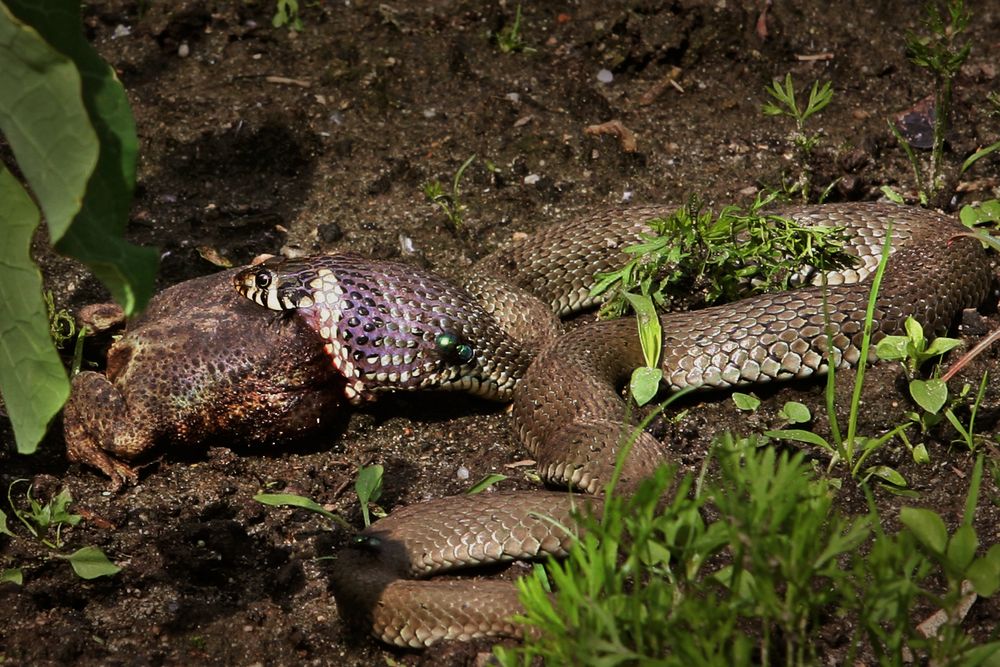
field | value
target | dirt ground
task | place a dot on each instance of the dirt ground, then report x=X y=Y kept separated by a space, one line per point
x=256 y=139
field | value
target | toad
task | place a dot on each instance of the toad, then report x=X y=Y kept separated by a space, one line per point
x=201 y=365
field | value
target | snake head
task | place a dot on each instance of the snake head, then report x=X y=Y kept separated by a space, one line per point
x=272 y=285
x=389 y=326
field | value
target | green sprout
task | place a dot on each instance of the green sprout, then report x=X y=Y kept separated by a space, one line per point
x=785 y=104
x=450 y=203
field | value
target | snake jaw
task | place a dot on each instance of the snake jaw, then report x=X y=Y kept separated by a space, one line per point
x=386 y=326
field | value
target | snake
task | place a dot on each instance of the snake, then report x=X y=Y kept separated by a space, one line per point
x=390 y=327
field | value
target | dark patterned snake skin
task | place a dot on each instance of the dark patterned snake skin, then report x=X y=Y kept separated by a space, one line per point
x=389 y=327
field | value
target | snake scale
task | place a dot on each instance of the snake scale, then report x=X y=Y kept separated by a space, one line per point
x=388 y=326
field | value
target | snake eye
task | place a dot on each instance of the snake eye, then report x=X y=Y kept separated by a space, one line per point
x=452 y=349
x=262 y=280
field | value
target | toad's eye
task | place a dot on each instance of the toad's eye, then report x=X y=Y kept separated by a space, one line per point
x=262 y=280
x=453 y=348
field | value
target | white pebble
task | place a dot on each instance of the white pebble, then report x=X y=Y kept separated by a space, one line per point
x=531 y=179
x=184 y=50
x=513 y=97
x=605 y=76
x=462 y=473
x=406 y=245
x=121 y=31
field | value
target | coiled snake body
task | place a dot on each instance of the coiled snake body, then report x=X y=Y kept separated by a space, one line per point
x=390 y=327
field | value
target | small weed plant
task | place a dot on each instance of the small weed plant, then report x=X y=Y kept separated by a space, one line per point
x=784 y=104
x=509 y=39
x=912 y=350
x=45 y=522
x=654 y=582
x=942 y=51
x=450 y=203
x=367 y=484
x=720 y=257
x=286 y=13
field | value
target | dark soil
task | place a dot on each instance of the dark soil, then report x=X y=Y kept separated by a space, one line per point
x=374 y=100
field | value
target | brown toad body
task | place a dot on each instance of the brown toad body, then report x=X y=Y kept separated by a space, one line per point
x=202 y=365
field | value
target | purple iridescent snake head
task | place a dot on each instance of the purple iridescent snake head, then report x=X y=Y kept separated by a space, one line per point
x=388 y=325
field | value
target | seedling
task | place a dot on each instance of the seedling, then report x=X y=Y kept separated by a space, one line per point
x=942 y=52
x=509 y=39
x=368 y=486
x=645 y=381
x=450 y=203
x=913 y=349
x=485 y=483
x=301 y=502
x=785 y=104
x=40 y=520
x=286 y=13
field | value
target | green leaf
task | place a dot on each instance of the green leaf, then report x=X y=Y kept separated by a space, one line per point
x=981 y=153
x=32 y=379
x=43 y=116
x=891 y=194
x=59 y=509
x=929 y=394
x=485 y=483
x=915 y=332
x=12 y=575
x=920 y=454
x=987 y=655
x=962 y=547
x=984 y=572
x=927 y=526
x=645 y=383
x=795 y=412
x=70 y=127
x=887 y=474
x=942 y=344
x=4 y=530
x=987 y=211
x=745 y=401
x=800 y=435
x=90 y=563
x=650 y=331
x=292 y=500
x=368 y=486
x=892 y=348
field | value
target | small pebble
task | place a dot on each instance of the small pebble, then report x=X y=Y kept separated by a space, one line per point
x=605 y=76
x=531 y=179
x=406 y=245
x=462 y=473
x=121 y=31
x=513 y=97
x=184 y=50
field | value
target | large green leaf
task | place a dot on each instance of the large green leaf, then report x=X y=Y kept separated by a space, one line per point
x=44 y=120
x=94 y=235
x=32 y=379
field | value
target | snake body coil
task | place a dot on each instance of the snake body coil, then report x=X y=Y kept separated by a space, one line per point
x=568 y=409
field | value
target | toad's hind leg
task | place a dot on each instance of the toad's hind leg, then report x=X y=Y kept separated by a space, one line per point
x=99 y=430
